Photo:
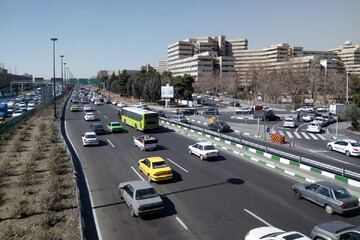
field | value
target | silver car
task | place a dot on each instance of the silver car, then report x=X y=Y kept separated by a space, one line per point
x=336 y=230
x=332 y=197
x=141 y=197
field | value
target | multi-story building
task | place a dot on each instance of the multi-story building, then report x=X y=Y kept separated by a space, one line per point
x=109 y=73
x=163 y=66
x=350 y=55
x=203 y=55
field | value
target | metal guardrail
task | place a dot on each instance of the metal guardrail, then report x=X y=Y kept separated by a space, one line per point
x=294 y=158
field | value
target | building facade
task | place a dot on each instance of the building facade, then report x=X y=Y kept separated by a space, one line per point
x=350 y=55
x=162 y=67
x=203 y=55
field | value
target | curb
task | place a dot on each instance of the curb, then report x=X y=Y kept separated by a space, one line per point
x=270 y=156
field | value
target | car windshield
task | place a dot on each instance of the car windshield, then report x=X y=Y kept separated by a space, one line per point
x=161 y=164
x=341 y=193
x=209 y=147
x=146 y=193
x=355 y=144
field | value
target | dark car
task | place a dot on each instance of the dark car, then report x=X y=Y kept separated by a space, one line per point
x=97 y=128
x=336 y=230
x=191 y=111
x=211 y=111
x=219 y=126
x=161 y=113
x=107 y=100
x=332 y=197
x=270 y=116
x=234 y=104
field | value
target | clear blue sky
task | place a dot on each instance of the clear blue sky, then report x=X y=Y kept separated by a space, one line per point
x=117 y=34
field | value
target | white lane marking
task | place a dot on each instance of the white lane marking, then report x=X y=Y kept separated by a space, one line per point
x=300 y=126
x=98 y=111
x=105 y=117
x=290 y=135
x=177 y=165
x=321 y=136
x=313 y=136
x=258 y=218
x=182 y=223
x=110 y=143
x=306 y=136
x=281 y=132
x=297 y=135
x=137 y=173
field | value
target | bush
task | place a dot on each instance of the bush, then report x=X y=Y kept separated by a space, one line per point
x=352 y=113
x=17 y=146
x=5 y=167
x=49 y=220
x=27 y=177
x=42 y=127
x=2 y=196
x=23 y=210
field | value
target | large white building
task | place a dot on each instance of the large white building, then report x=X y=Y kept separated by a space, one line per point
x=350 y=55
x=203 y=55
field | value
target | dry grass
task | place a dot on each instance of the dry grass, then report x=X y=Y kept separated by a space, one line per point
x=37 y=193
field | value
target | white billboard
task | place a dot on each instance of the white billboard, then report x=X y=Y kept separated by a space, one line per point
x=167 y=91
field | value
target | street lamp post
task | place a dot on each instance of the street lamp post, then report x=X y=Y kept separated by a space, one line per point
x=65 y=73
x=54 y=40
x=62 y=77
x=347 y=79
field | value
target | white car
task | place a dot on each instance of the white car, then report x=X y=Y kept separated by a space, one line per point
x=97 y=102
x=89 y=138
x=89 y=116
x=204 y=150
x=17 y=113
x=304 y=108
x=308 y=117
x=31 y=104
x=122 y=104
x=114 y=102
x=289 y=122
x=348 y=146
x=319 y=120
x=314 y=127
x=179 y=118
x=87 y=108
x=139 y=105
x=267 y=109
x=273 y=233
x=30 y=108
x=323 y=109
x=243 y=110
x=145 y=142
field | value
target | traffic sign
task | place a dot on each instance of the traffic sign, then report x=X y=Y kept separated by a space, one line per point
x=73 y=80
x=83 y=80
x=268 y=129
x=94 y=81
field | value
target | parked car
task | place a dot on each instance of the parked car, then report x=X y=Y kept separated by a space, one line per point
x=273 y=233
x=308 y=117
x=89 y=138
x=210 y=111
x=323 y=109
x=89 y=116
x=314 y=127
x=191 y=111
x=204 y=150
x=234 y=104
x=289 y=122
x=145 y=142
x=243 y=110
x=332 y=197
x=219 y=126
x=348 y=146
x=114 y=127
x=141 y=197
x=74 y=108
x=97 y=128
x=155 y=168
x=336 y=230
x=179 y=118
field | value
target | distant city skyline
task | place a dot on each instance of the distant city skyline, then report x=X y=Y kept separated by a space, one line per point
x=110 y=34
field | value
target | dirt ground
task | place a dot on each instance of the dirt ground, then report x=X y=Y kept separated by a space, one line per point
x=38 y=197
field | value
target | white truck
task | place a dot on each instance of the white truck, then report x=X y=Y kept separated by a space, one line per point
x=11 y=107
x=145 y=142
x=337 y=108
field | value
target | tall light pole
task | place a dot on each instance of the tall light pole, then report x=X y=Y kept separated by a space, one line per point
x=62 y=77
x=347 y=79
x=54 y=40
x=65 y=72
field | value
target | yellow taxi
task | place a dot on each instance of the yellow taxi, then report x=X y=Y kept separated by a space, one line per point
x=2 y=121
x=155 y=168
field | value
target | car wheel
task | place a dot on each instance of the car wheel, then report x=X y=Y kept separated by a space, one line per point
x=190 y=152
x=201 y=157
x=121 y=196
x=132 y=213
x=298 y=194
x=125 y=121
x=140 y=168
x=330 y=147
x=142 y=149
x=329 y=209
x=136 y=128
x=347 y=153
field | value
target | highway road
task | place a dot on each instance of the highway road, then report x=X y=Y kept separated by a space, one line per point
x=220 y=199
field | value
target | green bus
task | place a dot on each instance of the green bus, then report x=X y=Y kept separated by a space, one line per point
x=140 y=119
